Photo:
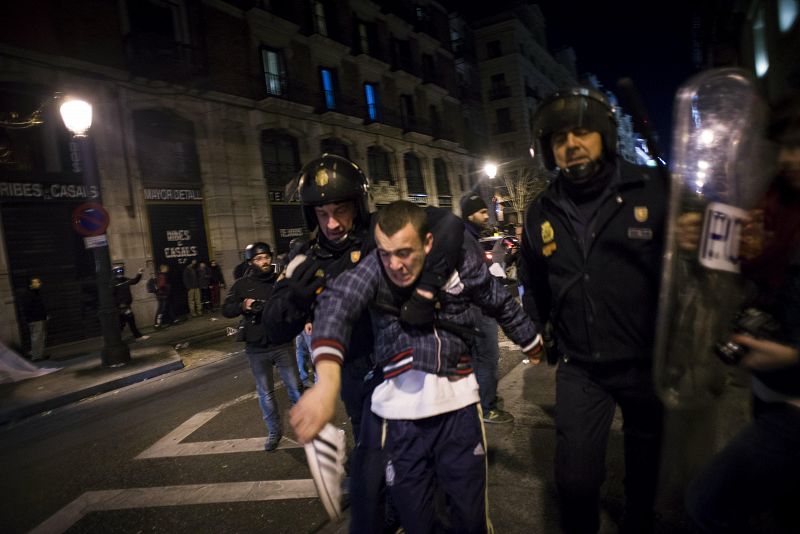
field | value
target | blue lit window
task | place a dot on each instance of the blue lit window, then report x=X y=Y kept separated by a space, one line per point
x=787 y=13
x=329 y=88
x=371 y=96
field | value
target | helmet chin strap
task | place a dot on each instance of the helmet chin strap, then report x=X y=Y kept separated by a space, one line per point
x=583 y=172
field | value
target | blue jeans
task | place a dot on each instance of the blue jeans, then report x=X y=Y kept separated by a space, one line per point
x=302 y=345
x=485 y=356
x=757 y=472
x=262 y=359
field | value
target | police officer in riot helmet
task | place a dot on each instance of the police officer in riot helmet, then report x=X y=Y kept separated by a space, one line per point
x=246 y=298
x=590 y=263
x=121 y=290
x=334 y=196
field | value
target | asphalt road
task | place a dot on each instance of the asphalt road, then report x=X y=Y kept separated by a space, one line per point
x=61 y=466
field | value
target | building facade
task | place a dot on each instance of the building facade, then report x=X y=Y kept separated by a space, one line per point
x=204 y=111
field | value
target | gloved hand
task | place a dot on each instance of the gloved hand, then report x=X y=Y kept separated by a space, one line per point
x=417 y=311
x=535 y=353
x=303 y=284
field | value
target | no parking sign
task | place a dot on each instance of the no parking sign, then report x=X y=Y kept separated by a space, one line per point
x=90 y=219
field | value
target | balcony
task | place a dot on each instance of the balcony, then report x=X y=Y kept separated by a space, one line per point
x=416 y=124
x=157 y=57
x=496 y=92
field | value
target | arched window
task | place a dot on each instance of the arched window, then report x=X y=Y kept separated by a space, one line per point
x=378 y=165
x=281 y=161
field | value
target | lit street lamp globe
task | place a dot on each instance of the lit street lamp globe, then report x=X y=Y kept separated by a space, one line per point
x=77 y=116
x=490 y=169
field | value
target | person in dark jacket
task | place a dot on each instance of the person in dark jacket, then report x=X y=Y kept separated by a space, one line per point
x=192 y=285
x=241 y=269
x=334 y=196
x=204 y=284
x=590 y=264
x=753 y=484
x=427 y=406
x=217 y=281
x=163 y=313
x=247 y=298
x=121 y=288
x=35 y=315
x=485 y=349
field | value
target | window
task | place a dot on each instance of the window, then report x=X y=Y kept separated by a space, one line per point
x=378 y=165
x=499 y=89
x=407 y=110
x=436 y=123
x=319 y=19
x=281 y=161
x=373 y=103
x=493 y=49
x=363 y=38
x=504 y=120
x=440 y=172
x=165 y=148
x=414 y=179
x=334 y=146
x=328 y=78
x=428 y=67
x=274 y=71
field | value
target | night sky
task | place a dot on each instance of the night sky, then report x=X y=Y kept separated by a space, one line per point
x=649 y=42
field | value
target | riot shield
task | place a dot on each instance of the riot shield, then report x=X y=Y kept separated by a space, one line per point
x=717 y=174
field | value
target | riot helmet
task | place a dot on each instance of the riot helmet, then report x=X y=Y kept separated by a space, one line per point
x=329 y=179
x=254 y=249
x=118 y=270
x=579 y=107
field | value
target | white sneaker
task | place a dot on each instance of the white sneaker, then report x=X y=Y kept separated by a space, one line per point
x=325 y=455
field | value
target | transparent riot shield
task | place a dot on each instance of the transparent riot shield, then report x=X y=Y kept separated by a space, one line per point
x=717 y=174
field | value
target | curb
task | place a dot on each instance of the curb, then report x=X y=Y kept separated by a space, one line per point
x=35 y=408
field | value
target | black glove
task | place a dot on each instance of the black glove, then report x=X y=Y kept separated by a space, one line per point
x=303 y=284
x=550 y=344
x=417 y=311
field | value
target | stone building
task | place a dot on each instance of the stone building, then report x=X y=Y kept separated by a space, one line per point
x=204 y=111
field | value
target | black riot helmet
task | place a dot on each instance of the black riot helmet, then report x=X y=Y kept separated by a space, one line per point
x=329 y=179
x=579 y=107
x=254 y=249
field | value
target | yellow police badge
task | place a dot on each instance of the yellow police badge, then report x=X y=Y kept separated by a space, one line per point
x=547 y=232
x=355 y=256
x=640 y=213
x=321 y=178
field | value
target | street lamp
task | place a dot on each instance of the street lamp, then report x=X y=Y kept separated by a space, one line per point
x=490 y=169
x=77 y=117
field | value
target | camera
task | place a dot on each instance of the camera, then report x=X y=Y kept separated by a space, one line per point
x=257 y=306
x=753 y=322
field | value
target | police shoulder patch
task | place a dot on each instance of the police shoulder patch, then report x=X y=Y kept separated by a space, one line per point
x=355 y=256
x=640 y=213
x=547 y=232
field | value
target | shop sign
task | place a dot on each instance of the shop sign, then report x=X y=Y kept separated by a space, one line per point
x=152 y=193
x=47 y=192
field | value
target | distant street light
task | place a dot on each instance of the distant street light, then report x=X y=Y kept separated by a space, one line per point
x=490 y=169
x=77 y=117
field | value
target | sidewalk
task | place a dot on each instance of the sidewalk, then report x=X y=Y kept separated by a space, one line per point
x=82 y=375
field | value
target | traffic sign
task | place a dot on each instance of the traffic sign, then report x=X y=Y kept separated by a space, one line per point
x=90 y=219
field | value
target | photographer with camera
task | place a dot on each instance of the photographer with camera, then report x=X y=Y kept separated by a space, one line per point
x=758 y=472
x=246 y=298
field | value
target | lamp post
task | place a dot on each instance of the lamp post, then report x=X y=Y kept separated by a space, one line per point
x=77 y=117
x=490 y=170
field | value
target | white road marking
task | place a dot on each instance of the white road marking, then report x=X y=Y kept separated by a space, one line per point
x=170 y=445
x=120 y=499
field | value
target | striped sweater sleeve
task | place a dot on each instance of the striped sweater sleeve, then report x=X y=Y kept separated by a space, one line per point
x=340 y=305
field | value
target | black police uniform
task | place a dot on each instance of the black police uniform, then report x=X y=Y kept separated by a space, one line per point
x=592 y=268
